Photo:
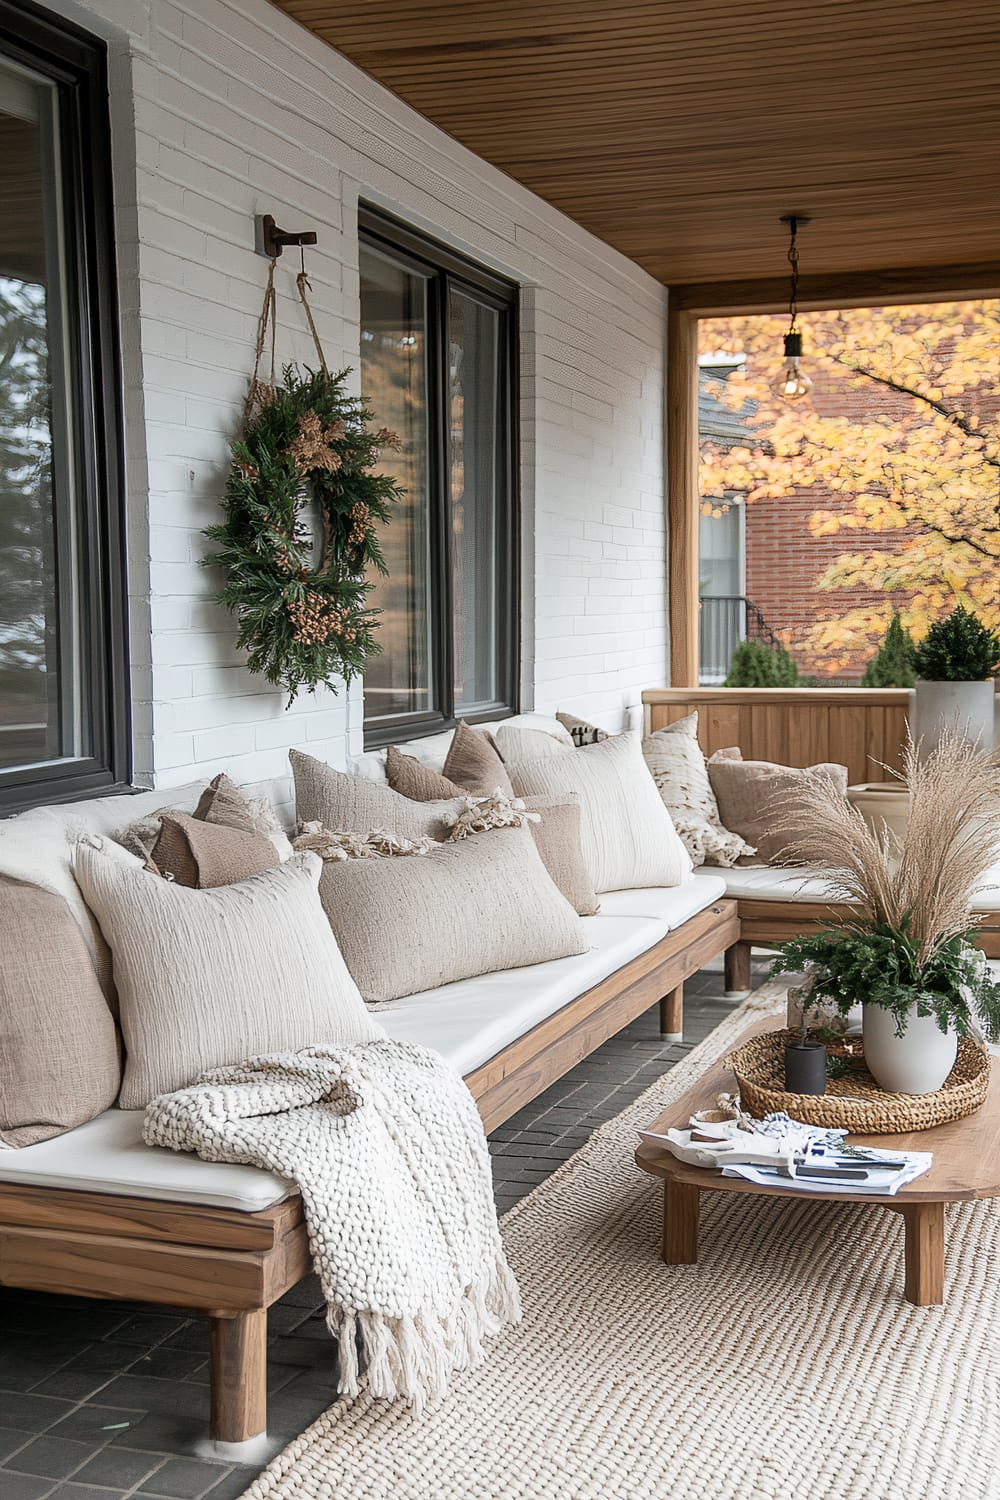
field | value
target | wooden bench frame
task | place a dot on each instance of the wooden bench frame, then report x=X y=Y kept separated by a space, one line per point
x=231 y=1265
x=764 y=924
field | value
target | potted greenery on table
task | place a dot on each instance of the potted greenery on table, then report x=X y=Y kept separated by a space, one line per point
x=908 y=957
x=955 y=666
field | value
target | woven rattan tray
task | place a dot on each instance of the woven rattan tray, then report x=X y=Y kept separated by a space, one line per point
x=856 y=1102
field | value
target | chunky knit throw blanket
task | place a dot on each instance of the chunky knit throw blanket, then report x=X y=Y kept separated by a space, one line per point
x=387 y=1149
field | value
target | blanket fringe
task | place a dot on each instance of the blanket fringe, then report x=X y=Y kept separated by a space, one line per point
x=410 y=1358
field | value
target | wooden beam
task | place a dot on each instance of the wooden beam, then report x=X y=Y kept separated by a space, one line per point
x=682 y=493
x=902 y=284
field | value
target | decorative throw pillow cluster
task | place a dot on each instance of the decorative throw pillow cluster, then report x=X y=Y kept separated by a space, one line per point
x=208 y=978
x=677 y=764
x=227 y=838
x=754 y=797
x=626 y=833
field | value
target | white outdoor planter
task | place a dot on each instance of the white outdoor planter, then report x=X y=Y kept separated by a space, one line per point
x=918 y=1062
x=966 y=706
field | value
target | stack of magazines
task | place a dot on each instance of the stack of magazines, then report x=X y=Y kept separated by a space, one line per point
x=839 y=1169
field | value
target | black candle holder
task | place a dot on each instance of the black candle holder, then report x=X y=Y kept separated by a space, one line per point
x=805 y=1067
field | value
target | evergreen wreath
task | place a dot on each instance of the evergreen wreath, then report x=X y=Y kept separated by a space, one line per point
x=304 y=619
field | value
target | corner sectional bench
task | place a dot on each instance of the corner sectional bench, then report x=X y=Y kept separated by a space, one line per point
x=97 y=1213
x=775 y=904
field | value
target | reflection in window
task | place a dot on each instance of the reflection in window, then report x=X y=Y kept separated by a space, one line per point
x=437 y=367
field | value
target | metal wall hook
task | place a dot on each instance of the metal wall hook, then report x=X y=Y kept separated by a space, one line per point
x=270 y=240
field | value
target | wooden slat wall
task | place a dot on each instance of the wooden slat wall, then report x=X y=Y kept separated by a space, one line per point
x=680 y=133
x=860 y=728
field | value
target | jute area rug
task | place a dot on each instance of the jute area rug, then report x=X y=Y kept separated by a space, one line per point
x=786 y=1364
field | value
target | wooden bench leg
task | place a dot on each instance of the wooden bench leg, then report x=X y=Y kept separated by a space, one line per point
x=672 y=1014
x=924 y=1253
x=737 y=967
x=239 y=1375
x=680 y=1223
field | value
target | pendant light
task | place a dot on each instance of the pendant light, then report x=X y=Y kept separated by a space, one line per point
x=793 y=383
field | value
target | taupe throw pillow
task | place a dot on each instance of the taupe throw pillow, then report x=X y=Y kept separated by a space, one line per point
x=205 y=855
x=353 y=804
x=474 y=762
x=406 y=775
x=557 y=839
x=58 y=1044
x=406 y=925
x=209 y=978
x=754 y=795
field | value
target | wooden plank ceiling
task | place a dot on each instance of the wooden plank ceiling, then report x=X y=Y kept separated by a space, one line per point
x=679 y=133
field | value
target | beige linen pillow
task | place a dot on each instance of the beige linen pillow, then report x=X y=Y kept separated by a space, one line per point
x=58 y=1044
x=209 y=978
x=677 y=765
x=486 y=903
x=754 y=795
x=516 y=743
x=474 y=762
x=205 y=855
x=558 y=840
x=345 y=803
x=627 y=836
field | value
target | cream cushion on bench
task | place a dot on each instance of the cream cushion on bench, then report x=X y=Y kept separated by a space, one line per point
x=467 y=1022
x=802 y=883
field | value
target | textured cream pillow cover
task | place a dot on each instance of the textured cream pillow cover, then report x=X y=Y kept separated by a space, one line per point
x=627 y=837
x=209 y=978
x=486 y=903
x=677 y=764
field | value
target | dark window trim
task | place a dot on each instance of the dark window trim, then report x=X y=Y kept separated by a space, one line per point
x=78 y=63
x=447 y=268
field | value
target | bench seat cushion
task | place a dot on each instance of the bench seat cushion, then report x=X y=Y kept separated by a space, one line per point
x=768 y=883
x=468 y=1022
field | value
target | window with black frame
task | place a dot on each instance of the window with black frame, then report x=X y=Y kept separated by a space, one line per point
x=63 y=716
x=438 y=365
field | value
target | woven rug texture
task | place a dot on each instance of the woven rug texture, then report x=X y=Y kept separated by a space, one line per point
x=786 y=1365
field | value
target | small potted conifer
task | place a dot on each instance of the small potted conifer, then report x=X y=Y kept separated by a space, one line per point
x=955 y=665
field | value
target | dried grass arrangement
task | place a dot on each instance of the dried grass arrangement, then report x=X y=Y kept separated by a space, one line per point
x=912 y=941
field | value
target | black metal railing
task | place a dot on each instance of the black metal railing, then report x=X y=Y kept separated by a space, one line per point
x=725 y=620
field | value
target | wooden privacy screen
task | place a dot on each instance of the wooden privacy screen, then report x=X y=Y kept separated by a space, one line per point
x=860 y=728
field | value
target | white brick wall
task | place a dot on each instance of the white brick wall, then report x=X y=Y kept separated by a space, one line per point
x=223 y=109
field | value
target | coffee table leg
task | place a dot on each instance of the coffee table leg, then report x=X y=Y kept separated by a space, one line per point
x=680 y=1223
x=924 y=1252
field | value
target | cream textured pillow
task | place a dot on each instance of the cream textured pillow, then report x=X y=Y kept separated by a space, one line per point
x=353 y=804
x=516 y=743
x=753 y=796
x=677 y=764
x=486 y=903
x=58 y=1043
x=627 y=837
x=210 y=978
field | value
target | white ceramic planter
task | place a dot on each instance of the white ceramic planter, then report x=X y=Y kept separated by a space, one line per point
x=966 y=706
x=918 y=1062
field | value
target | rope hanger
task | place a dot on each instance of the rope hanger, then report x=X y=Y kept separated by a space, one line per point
x=267 y=329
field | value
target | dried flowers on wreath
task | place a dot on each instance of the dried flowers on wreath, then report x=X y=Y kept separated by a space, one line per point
x=301 y=601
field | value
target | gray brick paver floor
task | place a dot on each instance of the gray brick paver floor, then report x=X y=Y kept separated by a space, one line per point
x=102 y=1401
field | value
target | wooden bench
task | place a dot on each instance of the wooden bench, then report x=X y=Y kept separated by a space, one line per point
x=233 y=1265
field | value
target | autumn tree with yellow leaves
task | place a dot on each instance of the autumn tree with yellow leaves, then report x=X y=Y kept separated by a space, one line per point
x=909 y=477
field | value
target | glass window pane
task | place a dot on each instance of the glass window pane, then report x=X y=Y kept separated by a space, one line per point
x=476 y=475
x=40 y=699
x=394 y=379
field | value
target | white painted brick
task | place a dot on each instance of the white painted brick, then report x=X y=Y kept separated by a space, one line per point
x=238 y=110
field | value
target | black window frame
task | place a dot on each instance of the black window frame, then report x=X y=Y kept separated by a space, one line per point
x=77 y=64
x=447 y=270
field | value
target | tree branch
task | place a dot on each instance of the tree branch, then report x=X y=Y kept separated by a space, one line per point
x=953 y=417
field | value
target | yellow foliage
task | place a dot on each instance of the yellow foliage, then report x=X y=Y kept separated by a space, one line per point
x=918 y=466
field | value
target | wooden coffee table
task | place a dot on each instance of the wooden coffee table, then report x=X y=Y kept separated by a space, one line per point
x=966 y=1166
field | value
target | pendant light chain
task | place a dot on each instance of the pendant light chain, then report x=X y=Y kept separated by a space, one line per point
x=793 y=261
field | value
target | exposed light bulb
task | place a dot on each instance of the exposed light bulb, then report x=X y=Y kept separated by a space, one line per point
x=793 y=383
